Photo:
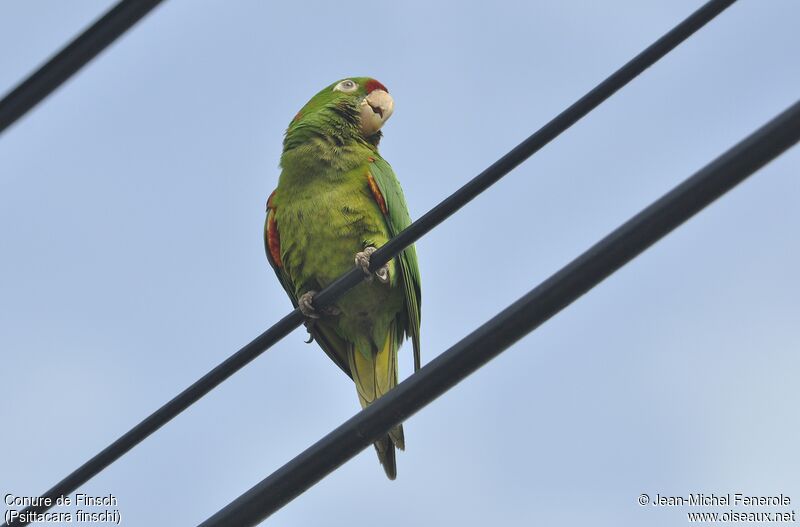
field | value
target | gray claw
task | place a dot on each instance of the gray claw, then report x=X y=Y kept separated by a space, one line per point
x=306 y=305
x=383 y=274
x=308 y=324
x=362 y=261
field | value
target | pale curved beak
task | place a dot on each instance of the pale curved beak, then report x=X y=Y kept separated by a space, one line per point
x=376 y=108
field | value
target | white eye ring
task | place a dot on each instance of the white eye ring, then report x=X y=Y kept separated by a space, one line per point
x=346 y=86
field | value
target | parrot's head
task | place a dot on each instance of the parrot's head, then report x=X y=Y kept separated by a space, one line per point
x=355 y=107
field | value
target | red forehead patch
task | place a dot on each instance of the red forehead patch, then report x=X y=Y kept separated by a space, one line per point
x=372 y=85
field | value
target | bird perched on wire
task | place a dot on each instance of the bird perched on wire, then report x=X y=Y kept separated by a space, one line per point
x=337 y=201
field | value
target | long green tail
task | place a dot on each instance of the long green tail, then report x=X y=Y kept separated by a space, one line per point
x=375 y=373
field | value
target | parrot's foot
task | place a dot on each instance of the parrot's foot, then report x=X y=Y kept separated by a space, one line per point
x=362 y=261
x=306 y=305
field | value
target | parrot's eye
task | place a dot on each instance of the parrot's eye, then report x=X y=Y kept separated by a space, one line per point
x=346 y=86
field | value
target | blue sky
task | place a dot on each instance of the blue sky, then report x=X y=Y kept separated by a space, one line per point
x=131 y=260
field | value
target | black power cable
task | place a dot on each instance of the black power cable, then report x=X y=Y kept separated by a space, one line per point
x=71 y=58
x=513 y=323
x=416 y=230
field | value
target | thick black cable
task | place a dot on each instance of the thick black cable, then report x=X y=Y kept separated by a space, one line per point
x=513 y=323
x=415 y=231
x=531 y=145
x=71 y=58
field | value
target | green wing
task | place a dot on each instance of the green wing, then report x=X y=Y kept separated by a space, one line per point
x=333 y=345
x=397 y=219
x=286 y=282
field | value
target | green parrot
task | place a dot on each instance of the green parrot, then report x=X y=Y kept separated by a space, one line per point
x=337 y=201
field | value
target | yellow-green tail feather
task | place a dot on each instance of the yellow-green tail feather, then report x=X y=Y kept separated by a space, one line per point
x=375 y=373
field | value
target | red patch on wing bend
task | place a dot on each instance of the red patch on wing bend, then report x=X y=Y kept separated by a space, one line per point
x=372 y=85
x=376 y=192
x=273 y=237
x=274 y=240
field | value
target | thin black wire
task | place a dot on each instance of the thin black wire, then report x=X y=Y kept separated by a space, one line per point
x=516 y=321
x=71 y=58
x=415 y=231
